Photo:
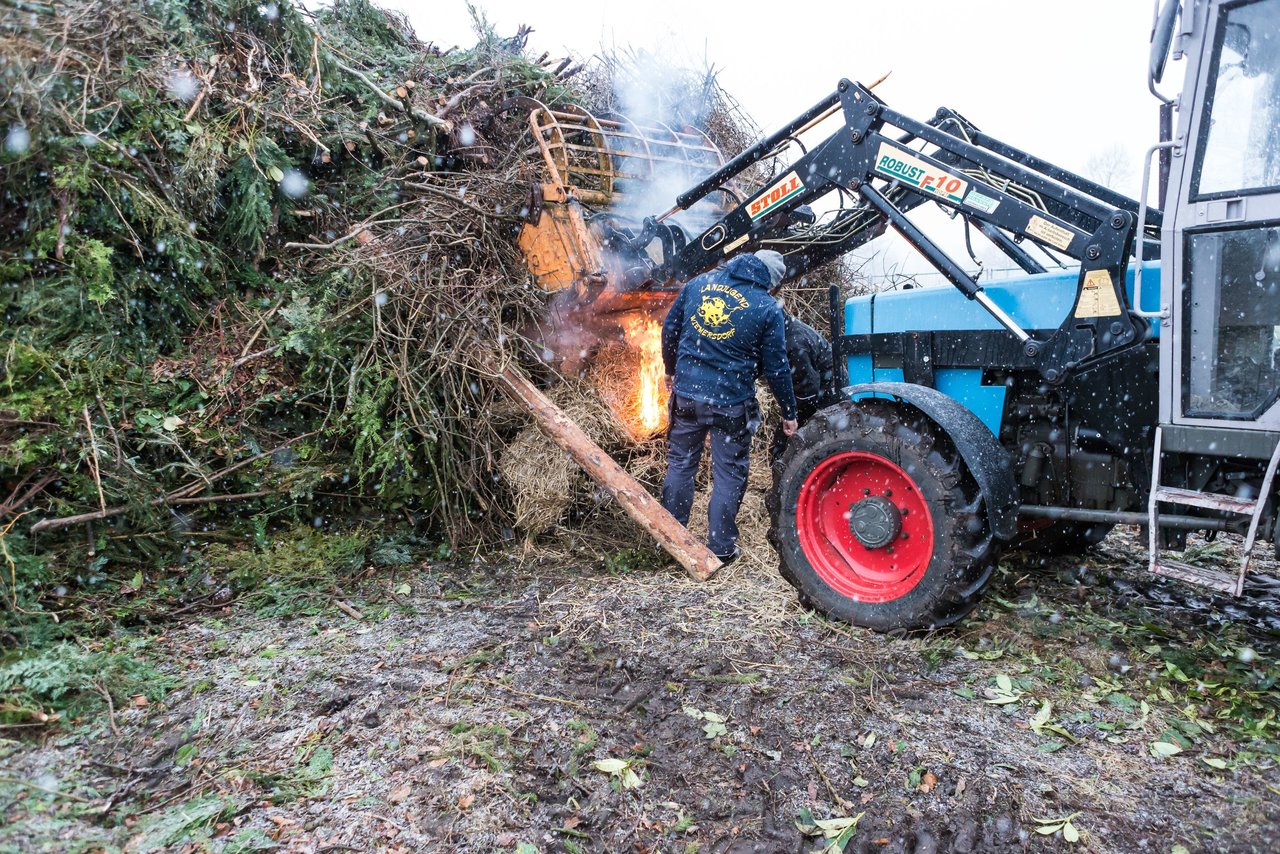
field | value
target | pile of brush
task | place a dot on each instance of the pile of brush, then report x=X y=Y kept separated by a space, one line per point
x=256 y=263
x=234 y=230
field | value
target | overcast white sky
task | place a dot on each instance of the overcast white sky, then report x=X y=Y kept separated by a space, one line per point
x=1063 y=80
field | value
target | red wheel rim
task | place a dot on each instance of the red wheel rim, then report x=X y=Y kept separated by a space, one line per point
x=823 y=510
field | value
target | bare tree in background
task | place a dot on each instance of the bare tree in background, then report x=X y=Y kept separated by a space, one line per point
x=1112 y=167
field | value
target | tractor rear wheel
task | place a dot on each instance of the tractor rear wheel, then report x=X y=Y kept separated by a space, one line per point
x=877 y=521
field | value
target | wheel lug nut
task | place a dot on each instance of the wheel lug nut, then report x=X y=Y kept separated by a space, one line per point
x=866 y=492
x=888 y=493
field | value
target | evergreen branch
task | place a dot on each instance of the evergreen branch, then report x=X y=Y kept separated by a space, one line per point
x=181 y=495
x=164 y=500
x=36 y=8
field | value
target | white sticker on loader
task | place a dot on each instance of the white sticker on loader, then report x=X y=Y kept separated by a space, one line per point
x=893 y=162
x=981 y=202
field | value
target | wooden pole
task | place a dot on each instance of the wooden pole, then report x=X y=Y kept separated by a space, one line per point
x=697 y=559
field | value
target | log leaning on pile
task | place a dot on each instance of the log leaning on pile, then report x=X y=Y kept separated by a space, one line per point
x=696 y=558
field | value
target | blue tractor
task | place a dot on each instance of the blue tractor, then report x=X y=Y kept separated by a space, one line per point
x=1131 y=376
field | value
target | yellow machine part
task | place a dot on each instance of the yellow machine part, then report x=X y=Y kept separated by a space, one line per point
x=559 y=248
x=593 y=161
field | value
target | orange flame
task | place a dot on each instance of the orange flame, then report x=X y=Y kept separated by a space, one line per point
x=647 y=412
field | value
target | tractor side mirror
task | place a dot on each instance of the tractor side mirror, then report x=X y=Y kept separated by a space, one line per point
x=1162 y=39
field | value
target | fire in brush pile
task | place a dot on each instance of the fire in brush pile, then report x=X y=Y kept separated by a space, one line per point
x=627 y=373
x=646 y=413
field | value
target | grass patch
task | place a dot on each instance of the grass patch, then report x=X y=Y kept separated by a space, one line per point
x=188 y=824
x=627 y=561
x=485 y=744
x=297 y=572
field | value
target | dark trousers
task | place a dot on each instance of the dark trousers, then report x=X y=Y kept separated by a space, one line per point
x=731 y=428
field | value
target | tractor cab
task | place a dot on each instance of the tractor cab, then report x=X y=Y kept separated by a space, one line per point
x=1220 y=295
x=1222 y=242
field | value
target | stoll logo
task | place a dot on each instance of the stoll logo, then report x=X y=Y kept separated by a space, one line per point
x=789 y=186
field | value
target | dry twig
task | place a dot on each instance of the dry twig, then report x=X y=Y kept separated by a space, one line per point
x=417 y=112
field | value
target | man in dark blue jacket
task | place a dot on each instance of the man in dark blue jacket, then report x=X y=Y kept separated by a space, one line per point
x=723 y=327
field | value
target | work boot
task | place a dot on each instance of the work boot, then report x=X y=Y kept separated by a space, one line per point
x=725 y=560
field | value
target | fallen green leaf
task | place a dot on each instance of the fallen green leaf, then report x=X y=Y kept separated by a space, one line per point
x=621 y=769
x=830 y=826
x=840 y=829
x=985 y=655
x=1058 y=821
x=1050 y=826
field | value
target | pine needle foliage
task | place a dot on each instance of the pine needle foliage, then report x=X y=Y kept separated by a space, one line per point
x=162 y=338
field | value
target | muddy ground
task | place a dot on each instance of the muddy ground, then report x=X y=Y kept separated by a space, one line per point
x=524 y=707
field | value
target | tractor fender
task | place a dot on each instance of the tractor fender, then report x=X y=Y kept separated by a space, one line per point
x=990 y=463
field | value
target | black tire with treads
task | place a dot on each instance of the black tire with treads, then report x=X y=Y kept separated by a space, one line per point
x=964 y=551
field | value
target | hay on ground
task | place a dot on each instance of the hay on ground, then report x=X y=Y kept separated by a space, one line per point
x=542 y=480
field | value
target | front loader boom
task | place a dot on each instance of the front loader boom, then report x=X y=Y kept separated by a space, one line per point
x=1009 y=196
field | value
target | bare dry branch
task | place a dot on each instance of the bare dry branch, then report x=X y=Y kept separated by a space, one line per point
x=417 y=112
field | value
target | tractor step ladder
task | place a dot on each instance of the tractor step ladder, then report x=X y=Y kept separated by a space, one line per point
x=1218 y=579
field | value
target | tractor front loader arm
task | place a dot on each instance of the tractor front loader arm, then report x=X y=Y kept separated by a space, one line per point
x=1010 y=196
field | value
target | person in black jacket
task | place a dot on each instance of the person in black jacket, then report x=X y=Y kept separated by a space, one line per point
x=809 y=355
x=723 y=329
